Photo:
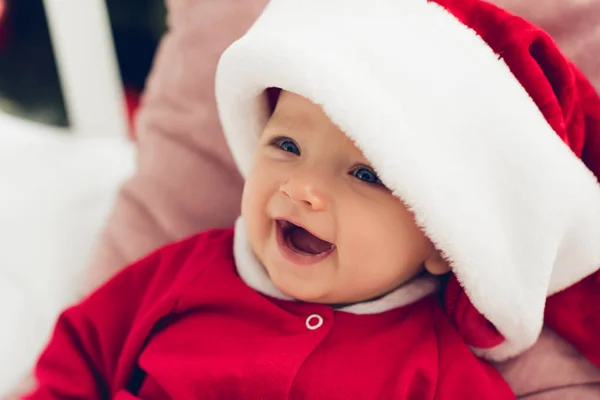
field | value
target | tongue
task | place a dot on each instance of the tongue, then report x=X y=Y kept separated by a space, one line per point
x=306 y=242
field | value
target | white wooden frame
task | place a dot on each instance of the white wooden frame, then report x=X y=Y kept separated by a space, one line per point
x=87 y=65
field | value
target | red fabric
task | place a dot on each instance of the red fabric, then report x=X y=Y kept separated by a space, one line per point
x=4 y=33
x=181 y=324
x=571 y=106
x=132 y=103
x=473 y=327
x=575 y=315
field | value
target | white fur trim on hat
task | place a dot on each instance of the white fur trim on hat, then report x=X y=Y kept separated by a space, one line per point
x=447 y=127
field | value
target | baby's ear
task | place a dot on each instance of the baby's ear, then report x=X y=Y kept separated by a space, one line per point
x=436 y=264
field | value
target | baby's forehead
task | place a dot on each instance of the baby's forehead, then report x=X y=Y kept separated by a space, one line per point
x=295 y=111
x=289 y=121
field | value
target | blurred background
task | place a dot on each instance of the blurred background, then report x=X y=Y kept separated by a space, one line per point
x=71 y=76
x=29 y=80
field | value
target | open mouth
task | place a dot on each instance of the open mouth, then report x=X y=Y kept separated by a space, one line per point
x=301 y=241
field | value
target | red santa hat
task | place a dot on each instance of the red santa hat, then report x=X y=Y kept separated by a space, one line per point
x=469 y=114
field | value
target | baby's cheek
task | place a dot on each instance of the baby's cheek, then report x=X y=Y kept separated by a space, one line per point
x=356 y=244
x=247 y=201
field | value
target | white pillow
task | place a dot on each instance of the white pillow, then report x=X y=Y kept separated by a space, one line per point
x=56 y=191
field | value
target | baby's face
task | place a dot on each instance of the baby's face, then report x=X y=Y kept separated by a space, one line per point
x=318 y=218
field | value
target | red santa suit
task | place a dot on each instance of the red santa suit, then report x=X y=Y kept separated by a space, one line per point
x=183 y=324
x=475 y=120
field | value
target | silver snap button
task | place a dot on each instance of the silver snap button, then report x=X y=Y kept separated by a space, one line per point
x=314 y=322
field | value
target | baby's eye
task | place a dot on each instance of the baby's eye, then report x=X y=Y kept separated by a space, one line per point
x=286 y=144
x=366 y=174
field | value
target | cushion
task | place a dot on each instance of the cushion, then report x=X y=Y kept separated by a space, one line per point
x=57 y=191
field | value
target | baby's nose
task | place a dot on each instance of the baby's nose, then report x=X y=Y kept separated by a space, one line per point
x=307 y=192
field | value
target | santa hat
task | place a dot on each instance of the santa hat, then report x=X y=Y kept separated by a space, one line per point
x=469 y=114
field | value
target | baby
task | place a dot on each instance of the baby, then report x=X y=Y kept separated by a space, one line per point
x=382 y=168
x=319 y=219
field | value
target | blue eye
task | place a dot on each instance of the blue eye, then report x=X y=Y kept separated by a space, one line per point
x=286 y=144
x=366 y=175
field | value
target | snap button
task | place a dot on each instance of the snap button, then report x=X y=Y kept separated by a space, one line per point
x=314 y=322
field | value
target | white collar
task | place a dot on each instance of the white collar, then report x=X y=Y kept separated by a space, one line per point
x=255 y=276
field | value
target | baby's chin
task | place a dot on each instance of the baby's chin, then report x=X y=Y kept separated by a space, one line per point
x=307 y=292
x=318 y=289
x=321 y=294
